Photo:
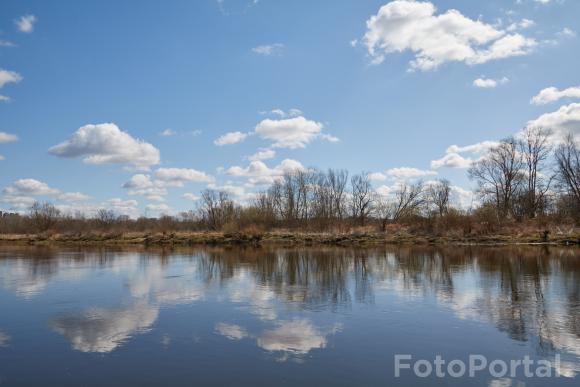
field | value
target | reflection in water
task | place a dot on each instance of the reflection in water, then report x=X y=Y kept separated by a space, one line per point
x=231 y=331
x=102 y=330
x=530 y=294
x=4 y=339
x=297 y=336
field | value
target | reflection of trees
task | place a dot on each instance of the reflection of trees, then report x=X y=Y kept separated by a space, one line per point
x=531 y=293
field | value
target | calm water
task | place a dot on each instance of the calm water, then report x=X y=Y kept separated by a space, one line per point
x=298 y=317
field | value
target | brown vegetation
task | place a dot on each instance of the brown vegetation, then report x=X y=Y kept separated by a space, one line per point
x=530 y=193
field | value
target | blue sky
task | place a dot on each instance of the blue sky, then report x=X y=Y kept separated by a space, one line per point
x=378 y=86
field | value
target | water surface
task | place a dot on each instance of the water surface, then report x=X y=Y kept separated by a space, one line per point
x=297 y=317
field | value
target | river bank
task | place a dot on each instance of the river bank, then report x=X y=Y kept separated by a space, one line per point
x=287 y=239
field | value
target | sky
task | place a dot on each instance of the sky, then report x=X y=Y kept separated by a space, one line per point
x=138 y=106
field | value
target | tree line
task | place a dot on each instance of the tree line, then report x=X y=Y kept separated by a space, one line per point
x=520 y=180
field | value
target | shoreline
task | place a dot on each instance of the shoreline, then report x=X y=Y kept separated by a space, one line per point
x=282 y=239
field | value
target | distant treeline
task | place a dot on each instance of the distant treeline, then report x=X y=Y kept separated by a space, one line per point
x=521 y=180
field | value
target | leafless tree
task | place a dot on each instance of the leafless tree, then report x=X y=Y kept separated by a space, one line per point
x=406 y=200
x=362 y=197
x=43 y=216
x=499 y=176
x=337 y=181
x=567 y=157
x=535 y=150
x=438 y=195
x=105 y=218
x=217 y=208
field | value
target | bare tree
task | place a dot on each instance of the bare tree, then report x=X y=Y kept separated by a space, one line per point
x=406 y=200
x=337 y=180
x=535 y=150
x=438 y=195
x=43 y=216
x=567 y=157
x=217 y=208
x=362 y=197
x=105 y=218
x=499 y=175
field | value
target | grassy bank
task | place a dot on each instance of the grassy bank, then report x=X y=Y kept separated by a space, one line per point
x=289 y=238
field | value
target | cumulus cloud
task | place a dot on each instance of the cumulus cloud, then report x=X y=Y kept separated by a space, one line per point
x=230 y=138
x=123 y=207
x=73 y=197
x=107 y=144
x=282 y=113
x=269 y=49
x=296 y=132
x=142 y=185
x=488 y=83
x=452 y=160
x=552 y=94
x=263 y=154
x=7 y=76
x=178 y=176
x=29 y=187
x=403 y=25
x=378 y=176
x=168 y=133
x=454 y=157
x=161 y=208
x=7 y=137
x=26 y=23
x=190 y=196
x=563 y=121
x=404 y=173
x=258 y=173
x=521 y=25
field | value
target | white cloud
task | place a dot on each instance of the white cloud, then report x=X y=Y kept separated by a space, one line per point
x=378 y=176
x=567 y=32
x=19 y=202
x=107 y=144
x=552 y=94
x=454 y=159
x=168 y=133
x=489 y=83
x=29 y=187
x=259 y=173
x=521 y=25
x=73 y=197
x=561 y=122
x=462 y=198
x=263 y=154
x=290 y=133
x=6 y=43
x=123 y=207
x=230 y=138
x=404 y=173
x=269 y=49
x=7 y=76
x=161 y=208
x=7 y=137
x=543 y=1
x=2 y=158
x=231 y=331
x=178 y=176
x=284 y=114
x=4 y=98
x=26 y=23
x=139 y=181
x=436 y=39
x=190 y=196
